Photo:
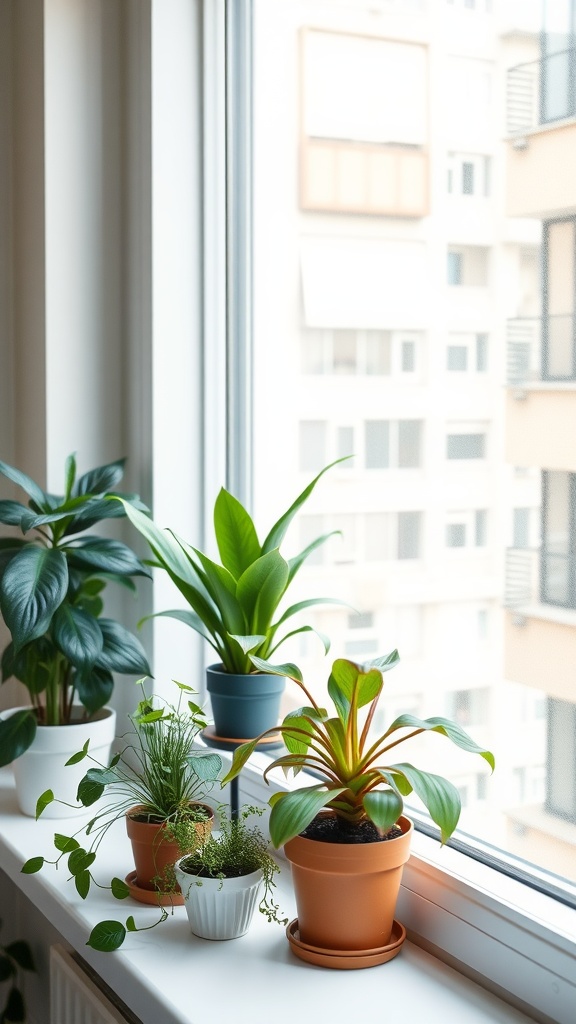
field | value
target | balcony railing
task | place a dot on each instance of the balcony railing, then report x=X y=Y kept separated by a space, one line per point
x=541 y=349
x=535 y=576
x=541 y=91
x=521 y=584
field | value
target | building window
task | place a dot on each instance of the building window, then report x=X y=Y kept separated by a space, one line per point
x=408 y=356
x=313 y=444
x=468 y=707
x=559 y=300
x=480 y=527
x=377 y=443
x=409 y=444
x=409 y=529
x=468 y=266
x=466 y=446
x=360 y=620
x=455 y=265
x=481 y=353
x=561 y=759
x=521 y=528
x=456 y=535
x=558 y=555
x=457 y=358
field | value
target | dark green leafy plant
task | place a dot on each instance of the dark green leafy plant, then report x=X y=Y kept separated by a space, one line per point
x=156 y=770
x=15 y=957
x=51 y=598
x=237 y=850
x=358 y=781
x=234 y=605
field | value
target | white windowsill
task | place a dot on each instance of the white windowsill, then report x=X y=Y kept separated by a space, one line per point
x=170 y=975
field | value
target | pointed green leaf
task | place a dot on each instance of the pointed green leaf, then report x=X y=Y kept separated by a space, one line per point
x=206 y=766
x=23 y=481
x=89 y=792
x=82 y=882
x=11 y=512
x=66 y=844
x=69 y=475
x=260 y=590
x=15 y=1010
x=32 y=866
x=241 y=756
x=238 y=544
x=291 y=814
x=289 y=670
x=17 y=731
x=445 y=727
x=385 y=663
x=297 y=741
x=94 y=687
x=76 y=758
x=131 y=924
x=297 y=561
x=107 y=936
x=223 y=589
x=383 y=807
x=439 y=796
x=347 y=680
x=80 y=860
x=183 y=615
x=310 y=603
x=278 y=531
x=109 y=555
x=78 y=635
x=121 y=650
x=101 y=479
x=120 y=890
x=33 y=586
x=248 y=643
x=20 y=952
x=43 y=801
x=163 y=543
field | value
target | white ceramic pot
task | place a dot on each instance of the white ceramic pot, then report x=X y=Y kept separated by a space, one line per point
x=219 y=908
x=42 y=766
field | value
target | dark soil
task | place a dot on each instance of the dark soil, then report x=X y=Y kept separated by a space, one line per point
x=335 y=830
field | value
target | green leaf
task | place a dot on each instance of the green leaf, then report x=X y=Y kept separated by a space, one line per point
x=248 y=643
x=295 y=742
x=25 y=482
x=20 y=952
x=385 y=663
x=164 y=545
x=80 y=860
x=241 y=756
x=260 y=590
x=107 y=936
x=445 y=727
x=11 y=512
x=297 y=561
x=120 y=890
x=108 y=555
x=89 y=792
x=131 y=924
x=33 y=665
x=99 y=480
x=15 y=1010
x=94 y=687
x=205 y=766
x=383 y=807
x=66 y=844
x=17 y=732
x=439 y=796
x=103 y=776
x=238 y=544
x=76 y=758
x=289 y=670
x=190 y=618
x=82 y=881
x=78 y=635
x=33 y=586
x=278 y=531
x=69 y=475
x=32 y=866
x=347 y=682
x=7 y=969
x=121 y=650
x=222 y=588
x=43 y=801
x=294 y=811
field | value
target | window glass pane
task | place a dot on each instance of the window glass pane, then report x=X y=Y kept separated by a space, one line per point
x=481 y=353
x=345 y=444
x=455 y=267
x=344 y=351
x=521 y=528
x=465 y=446
x=409 y=534
x=456 y=535
x=457 y=358
x=480 y=527
x=409 y=444
x=313 y=452
x=377 y=542
x=408 y=356
x=468 y=178
x=378 y=352
x=377 y=440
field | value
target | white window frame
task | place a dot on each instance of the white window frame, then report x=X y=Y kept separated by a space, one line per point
x=514 y=939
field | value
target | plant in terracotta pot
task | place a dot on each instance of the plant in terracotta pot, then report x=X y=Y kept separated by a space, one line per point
x=222 y=878
x=52 y=579
x=235 y=605
x=349 y=828
x=157 y=783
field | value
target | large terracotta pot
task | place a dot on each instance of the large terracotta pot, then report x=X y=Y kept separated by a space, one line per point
x=43 y=765
x=155 y=852
x=346 y=893
x=243 y=706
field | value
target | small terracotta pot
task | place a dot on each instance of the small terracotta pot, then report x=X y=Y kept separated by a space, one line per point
x=346 y=893
x=154 y=852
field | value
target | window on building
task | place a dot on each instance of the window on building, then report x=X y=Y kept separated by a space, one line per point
x=521 y=528
x=377 y=444
x=468 y=266
x=409 y=444
x=558 y=557
x=409 y=530
x=313 y=444
x=561 y=759
x=455 y=267
x=456 y=535
x=457 y=358
x=480 y=527
x=465 y=446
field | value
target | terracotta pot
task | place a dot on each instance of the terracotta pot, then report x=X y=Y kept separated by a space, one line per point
x=346 y=893
x=154 y=852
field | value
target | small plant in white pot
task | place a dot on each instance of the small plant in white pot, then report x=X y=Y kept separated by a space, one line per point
x=222 y=879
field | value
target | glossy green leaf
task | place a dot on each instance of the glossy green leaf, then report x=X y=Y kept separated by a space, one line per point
x=17 y=731
x=298 y=740
x=163 y=543
x=236 y=537
x=109 y=555
x=121 y=650
x=120 y=890
x=383 y=807
x=25 y=482
x=445 y=727
x=79 y=756
x=278 y=531
x=65 y=844
x=385 y=663
x=291 y=814
x=206 y=766
x=11 y=512
x=347 y=682
x=249 y=643
x=82 y=882
x=32 y=665
x=310 y=603
x=186 y=616
x=100 y=480
x=222 y=588
x=69 y=475
x=107 y=936
x=260 y=590
x=131 y=924
x=89 y=792
x=43 y=801
x=288 y=669
x=295 y=563
x=32 y=866
x=94 y=687
x=240 y=757
x=80 y=860
x=33 y=586
x=78 y=635
x=439 y=796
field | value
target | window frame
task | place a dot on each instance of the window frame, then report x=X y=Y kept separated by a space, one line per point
x=469 y=905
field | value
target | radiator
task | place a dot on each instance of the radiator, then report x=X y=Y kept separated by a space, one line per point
x=75 y=998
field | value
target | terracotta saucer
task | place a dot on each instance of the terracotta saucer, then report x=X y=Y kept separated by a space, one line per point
x=151 y=896
x=346 y=959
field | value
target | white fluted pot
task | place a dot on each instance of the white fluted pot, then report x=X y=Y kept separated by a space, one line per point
x=219 y=908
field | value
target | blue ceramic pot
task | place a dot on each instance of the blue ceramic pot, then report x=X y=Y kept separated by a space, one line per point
x=243 y=706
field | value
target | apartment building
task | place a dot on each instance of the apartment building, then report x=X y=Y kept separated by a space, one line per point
x=540 y=628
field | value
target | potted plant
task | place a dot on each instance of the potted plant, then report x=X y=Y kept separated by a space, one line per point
x=15 y=957
x=234 y=606
x=346 y=836
x=222 y=878
x=52 y=578
x=157 y=783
